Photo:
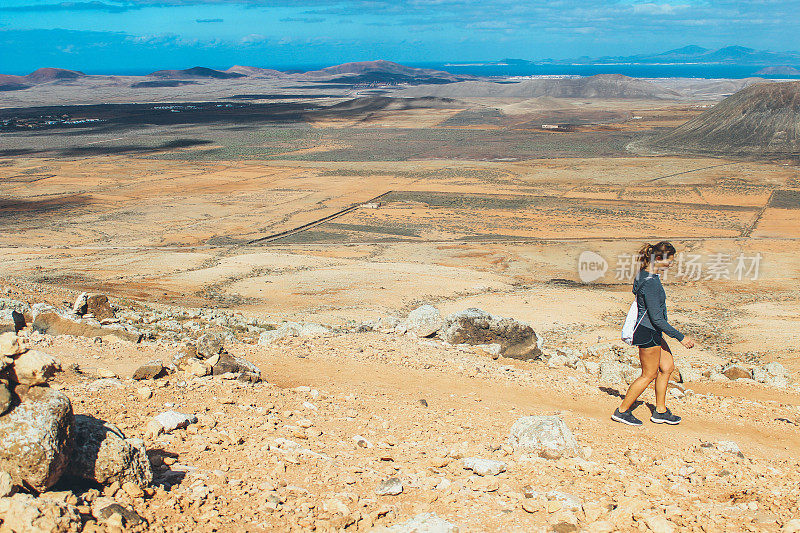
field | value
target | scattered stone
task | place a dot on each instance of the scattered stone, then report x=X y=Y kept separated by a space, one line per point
x=422 y=523
x=293 y=329
x=34 y=368
x=728 y=446
x=772 y=374
x=246 y=370
x=11 y=321
x=389 y=487
x=103 y=454
x=659 y=524
x=547 y=436
x=81 y=305
x=567 y=501
x=36 y=438
x=24 y=513
x=50 y=321
x=210 y=344
x=151 y=370
x=6 y=484
x=169 y=421
x=195 y=367
x=361 y=442
x=128 y=516
x=144 y=393
x=98 y=305
x=484 y=467
x=424 y=321
x=11 y=344
x=474 y=326
x=736 y=372
x=5 y=398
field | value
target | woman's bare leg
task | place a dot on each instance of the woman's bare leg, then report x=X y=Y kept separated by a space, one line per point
x=649 y=358
x=666 y=365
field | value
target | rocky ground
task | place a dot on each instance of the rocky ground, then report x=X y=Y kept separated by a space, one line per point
x=377 y=427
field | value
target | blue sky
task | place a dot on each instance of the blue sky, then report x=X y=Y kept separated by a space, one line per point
x=143 y=35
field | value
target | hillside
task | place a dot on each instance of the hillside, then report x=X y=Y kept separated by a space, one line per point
x=196 y=72
x=762 y=120
x=380 y=71
x=255 y=71
x=599 y=86
x=44 y=75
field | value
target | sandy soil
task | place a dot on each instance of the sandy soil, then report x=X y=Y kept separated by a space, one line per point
x=504 y=236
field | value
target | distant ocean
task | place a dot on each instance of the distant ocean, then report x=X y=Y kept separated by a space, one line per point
x=632 y=70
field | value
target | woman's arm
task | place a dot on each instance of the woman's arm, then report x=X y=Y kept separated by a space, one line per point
x=652 y=299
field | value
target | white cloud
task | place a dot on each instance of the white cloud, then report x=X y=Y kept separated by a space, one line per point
x=658 y=9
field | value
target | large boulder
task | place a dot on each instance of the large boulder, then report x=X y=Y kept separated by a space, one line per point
x=51 y=321
x=24 y=513
x=228 y=364
x=36 y=438
x=474 y=326
x=103 y=455
x=424 y=321
x=546 y=436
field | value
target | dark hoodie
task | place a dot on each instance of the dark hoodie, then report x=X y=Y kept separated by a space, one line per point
x=652 y=303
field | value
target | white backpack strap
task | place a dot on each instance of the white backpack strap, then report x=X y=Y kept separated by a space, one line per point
x=645 y=309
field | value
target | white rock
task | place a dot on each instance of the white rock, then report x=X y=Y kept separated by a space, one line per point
x=424 y=321
x=484 y=467
x=422 y=523
x=727 y=446
x=547 y=436
x=389 y=487
x=568 y=501
x=172 y=420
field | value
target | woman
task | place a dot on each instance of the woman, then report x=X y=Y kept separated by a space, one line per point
x=654 y=354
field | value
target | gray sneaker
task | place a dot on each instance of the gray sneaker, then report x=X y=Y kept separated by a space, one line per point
x=665 y=418
x=626 y=417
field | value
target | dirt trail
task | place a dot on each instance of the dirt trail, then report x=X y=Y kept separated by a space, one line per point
x=597 y=404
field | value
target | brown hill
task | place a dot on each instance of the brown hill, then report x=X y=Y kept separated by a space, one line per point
x=196 y=72
x=599 y=86
x=367 y=68
x=255 y=71
x=9 y=82
x=762 y=120
x=44 y=75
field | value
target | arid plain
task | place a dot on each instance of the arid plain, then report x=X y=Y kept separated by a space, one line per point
x=349 y=211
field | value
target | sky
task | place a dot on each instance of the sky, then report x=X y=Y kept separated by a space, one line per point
x=138 y=36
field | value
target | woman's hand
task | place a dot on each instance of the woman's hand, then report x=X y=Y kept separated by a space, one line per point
x=688 y=342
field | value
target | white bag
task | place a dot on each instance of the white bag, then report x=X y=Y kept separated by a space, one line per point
x=630 y=325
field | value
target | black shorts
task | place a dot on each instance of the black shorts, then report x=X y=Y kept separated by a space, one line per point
x=645 y=337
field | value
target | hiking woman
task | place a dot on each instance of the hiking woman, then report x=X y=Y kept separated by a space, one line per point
x=654 y=354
